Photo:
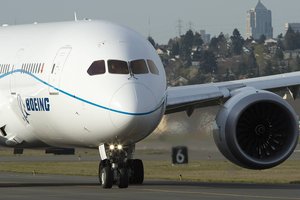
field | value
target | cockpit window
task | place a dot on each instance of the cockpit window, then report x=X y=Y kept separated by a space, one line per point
x=152 y=67
x=117 y=67
x=139 y=67
x=97 y=67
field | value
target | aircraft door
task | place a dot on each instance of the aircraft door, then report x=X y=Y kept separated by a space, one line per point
x=57 y=67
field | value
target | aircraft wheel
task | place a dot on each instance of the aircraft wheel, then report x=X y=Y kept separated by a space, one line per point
x=105 y=175
x=137 y=171
x=123 y=178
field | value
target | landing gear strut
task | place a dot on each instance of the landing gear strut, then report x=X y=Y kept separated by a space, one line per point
x=117 y=167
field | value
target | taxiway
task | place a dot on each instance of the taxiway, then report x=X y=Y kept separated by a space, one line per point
x=52 y=187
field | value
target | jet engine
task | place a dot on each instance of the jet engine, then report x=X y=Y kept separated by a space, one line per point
x=256 y=129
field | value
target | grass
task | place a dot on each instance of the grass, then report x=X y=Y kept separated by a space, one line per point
x=86 y=168
x=223 y=171
x=202 y=171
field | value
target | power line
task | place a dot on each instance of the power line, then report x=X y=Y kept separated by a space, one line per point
x=179 y=26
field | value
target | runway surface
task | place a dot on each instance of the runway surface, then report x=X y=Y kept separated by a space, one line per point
x=52 y=187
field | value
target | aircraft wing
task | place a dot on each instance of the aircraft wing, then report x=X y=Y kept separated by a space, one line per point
x=187 y=98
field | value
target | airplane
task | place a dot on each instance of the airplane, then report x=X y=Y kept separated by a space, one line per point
x=101 y=85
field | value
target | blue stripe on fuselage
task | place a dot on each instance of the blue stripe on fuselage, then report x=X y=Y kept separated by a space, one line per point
x=79 y=98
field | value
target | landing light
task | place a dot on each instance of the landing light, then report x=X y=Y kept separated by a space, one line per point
x=111 y=147
x=120 y=147
x=115 y=147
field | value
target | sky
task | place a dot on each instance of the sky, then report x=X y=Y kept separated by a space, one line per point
x=159 y=18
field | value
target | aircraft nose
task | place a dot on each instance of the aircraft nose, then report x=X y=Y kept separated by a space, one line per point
x=129 y=101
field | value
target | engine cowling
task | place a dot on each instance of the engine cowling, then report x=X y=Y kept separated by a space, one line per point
x=256 y=129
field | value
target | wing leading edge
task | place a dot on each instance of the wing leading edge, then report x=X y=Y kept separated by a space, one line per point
x=187 y=98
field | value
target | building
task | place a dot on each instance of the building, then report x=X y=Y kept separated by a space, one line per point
x=294 y=26
x=205 y=36
x=259 y=22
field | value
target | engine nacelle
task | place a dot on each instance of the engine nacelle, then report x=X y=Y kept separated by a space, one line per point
x=257 y=129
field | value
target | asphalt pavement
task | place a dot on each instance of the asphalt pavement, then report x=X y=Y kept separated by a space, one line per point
x=55 y=187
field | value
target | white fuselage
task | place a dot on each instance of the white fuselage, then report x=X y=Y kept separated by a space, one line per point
x=48 y=98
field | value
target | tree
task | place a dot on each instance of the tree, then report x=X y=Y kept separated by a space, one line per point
x=297 y=40
x=175 y=49
x=243 y=67
x=269 y=68
x=187 y=43
x=248 y=41
x=213 y=45
x=188 y=39
x=280 y=36
x=253 y=69
x=198 y=40
x=280 y=44
x=209 y=62
x=237 y=42
x=222 y=45
x=279 y=54
x=151 y=40
x=219 y=46
x=298 y=63
x=197 y=55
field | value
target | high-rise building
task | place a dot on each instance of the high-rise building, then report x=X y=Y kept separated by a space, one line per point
x=259 y=22
x=294 y=26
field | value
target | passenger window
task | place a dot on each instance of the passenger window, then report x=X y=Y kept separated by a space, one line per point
x=42 y=70
x=39 y=69
x=117 y=67
x=138 y=67
x=152 y=67
x=31 y=66
x=27 y=67
x=33 y=69
x=97 y=67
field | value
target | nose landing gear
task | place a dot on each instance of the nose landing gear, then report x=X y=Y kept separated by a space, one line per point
x=117 y=167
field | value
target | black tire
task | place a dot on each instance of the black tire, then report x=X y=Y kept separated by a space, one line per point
x=123 y=178
x=101 y=165
x=105 y=174
x=137 y=171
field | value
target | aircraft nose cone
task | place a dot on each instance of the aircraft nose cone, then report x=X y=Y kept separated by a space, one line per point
x=130 y=101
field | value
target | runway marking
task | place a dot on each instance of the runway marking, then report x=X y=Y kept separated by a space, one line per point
x=220 y=194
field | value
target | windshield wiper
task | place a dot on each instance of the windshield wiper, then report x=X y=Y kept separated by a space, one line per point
x=131 y=73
